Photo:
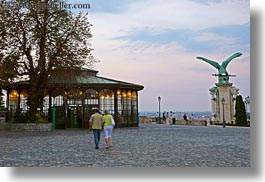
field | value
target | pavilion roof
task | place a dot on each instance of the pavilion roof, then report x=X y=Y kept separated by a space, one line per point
x=86 y=79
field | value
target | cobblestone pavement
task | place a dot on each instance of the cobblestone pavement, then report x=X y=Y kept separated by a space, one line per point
x=149 y=145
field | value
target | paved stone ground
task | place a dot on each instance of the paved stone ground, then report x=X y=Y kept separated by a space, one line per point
x=149 y=145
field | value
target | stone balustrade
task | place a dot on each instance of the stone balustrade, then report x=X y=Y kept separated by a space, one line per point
x=150 y=120
x=25 y=126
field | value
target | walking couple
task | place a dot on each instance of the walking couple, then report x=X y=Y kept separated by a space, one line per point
x=97 y=122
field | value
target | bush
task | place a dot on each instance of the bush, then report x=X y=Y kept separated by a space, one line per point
x=11 y=120
x=20 y=117
x=39 y=119
x=241 y=117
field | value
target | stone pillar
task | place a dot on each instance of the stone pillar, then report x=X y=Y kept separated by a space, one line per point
x=234 y=92
x=214 y=111
x=229 y=94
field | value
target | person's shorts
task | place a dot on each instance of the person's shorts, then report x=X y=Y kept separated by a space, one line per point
x=108 y=131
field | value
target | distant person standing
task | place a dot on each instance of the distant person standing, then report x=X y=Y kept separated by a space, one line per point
x=96 y=124
x=171 y=117
x=164 y=116
x=174 y=118
x=157 y=118
x=167 y=119
x=192 y=117
x=107 y=128
x=185 y=118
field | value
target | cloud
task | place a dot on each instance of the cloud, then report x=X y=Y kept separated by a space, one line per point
x=211 y=37
x=155 y=42
x=159 y=15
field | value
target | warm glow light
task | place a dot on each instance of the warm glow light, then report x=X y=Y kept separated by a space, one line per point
x=14 y=94
x=118 y=92
x=129 y=93
x=134 y=94
x=23 y=94
x=123 y=93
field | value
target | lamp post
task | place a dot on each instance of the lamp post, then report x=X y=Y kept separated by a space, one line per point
x=159 y=118
x=223 y=102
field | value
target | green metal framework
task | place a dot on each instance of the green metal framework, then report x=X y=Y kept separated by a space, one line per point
x=75 y=99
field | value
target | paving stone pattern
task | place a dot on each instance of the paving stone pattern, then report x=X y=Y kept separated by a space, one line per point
x=149 y=145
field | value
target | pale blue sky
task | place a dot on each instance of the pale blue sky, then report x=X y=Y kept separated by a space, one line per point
x=155 y=42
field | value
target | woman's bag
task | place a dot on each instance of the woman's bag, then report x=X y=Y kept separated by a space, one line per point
x=112 y=122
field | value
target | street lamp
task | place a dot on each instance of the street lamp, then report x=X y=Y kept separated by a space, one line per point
x=223 y=102
x=159 y=118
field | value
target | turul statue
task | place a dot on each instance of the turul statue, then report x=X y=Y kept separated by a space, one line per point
x=223 y=75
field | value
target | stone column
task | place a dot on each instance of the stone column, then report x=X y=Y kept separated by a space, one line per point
x=234 y=92
x=224 y=92
x=214 y=111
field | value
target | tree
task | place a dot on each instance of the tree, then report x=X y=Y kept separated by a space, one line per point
x=241 y=117
x=41 y=41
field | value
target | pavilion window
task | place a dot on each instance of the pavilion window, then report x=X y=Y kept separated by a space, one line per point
x=107 y=100
x=128 y=106
x=134 y=106
x=46 y=105
x=91 y=97
x=58 y=100
x=13 y=101
x=23 y=101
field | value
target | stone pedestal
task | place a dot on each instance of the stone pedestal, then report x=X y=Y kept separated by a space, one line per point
x=227 y=93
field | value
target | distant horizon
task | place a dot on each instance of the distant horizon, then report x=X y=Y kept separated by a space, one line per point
x=175 y=111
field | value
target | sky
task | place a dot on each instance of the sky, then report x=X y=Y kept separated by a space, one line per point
x=155 y=43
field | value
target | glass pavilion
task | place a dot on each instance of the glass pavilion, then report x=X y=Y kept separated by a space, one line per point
x=75 y=99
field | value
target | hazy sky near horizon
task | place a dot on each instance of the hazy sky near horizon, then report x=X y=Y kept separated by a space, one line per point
x=155 y=43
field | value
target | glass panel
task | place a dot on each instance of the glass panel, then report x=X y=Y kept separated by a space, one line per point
x=23 y=101
x=57 y=101
x=107 y=100
x=13 y=101
x=46 y=105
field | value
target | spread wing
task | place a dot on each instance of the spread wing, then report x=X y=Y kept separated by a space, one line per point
x=228 y=60
x=213 y=63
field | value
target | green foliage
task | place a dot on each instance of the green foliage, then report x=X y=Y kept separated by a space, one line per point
x=39 y=119
x=20 y=117
x=11 y=120
x=38 y=43
x=241 y=117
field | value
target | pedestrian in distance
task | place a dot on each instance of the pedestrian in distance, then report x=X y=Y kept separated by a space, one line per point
x=167 y=119
x=164 y=117
x=171 y=117
x=185 y=118
x=108 y=127
x=174 y=118
x=96 y=124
